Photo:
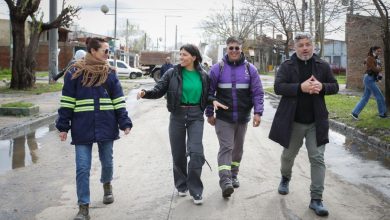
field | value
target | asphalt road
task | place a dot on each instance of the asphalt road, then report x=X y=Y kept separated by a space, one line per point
x=143 y=182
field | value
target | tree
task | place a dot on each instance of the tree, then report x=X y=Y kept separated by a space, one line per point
x=384 y=14
x=23 y=59
x=220 y=23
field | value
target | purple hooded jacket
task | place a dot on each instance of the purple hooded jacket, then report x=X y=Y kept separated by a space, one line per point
x=236 y=88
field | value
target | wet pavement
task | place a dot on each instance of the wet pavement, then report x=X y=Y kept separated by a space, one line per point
x=141 y=161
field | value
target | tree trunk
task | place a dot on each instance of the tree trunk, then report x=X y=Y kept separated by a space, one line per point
x=21 y=79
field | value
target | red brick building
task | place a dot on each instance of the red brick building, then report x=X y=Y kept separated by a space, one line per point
x=361 y=33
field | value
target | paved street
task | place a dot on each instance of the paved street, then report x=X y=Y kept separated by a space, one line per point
x=143 y=182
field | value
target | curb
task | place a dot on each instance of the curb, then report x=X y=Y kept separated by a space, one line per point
x=349 y=131
x=26 y=127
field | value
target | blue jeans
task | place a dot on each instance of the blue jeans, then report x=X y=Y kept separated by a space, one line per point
x=370 y=87
x=83 y=167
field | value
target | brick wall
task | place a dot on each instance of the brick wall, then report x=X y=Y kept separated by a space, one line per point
x=42 y=56
x=361 y=33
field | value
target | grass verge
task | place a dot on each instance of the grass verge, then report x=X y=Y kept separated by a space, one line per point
x=17 y=105
x=340 y=107
x=39 y=88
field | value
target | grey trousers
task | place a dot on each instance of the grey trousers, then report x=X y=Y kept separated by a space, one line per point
x=315 y=153
x=185 y=135
x=231 y=142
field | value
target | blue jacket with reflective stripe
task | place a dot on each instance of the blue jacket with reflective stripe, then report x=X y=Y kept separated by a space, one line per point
x=93 y=114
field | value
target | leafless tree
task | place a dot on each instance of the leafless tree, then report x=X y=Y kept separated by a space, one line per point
x=220 y=23
x=23 y=57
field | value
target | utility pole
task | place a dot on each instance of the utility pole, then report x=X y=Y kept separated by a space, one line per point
x=311 y=17
x=232 y=17
x=176 y=38
x=53 y=43
x=127 y=41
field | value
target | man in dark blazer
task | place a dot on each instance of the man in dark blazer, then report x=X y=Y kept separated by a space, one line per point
x=303 y=81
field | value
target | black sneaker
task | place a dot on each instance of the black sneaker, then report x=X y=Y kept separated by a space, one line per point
x=198 y=200
x=355 y=116
x=227 y=190
x=283 y=186
x=235 y=182
x=383 y=116
x=318 y=207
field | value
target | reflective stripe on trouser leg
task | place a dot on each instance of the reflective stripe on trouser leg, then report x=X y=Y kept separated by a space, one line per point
x=238 y=149
x=225 y=134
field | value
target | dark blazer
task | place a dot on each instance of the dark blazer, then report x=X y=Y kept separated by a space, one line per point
x=287 y=85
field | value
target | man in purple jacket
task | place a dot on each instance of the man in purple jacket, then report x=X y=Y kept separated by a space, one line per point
x=235 y=87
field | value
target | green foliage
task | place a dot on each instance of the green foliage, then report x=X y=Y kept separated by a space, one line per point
x=341 y=79
x=18 y=105
x=39 y=88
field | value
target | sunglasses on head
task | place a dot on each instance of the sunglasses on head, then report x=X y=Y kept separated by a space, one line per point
x=234 y=48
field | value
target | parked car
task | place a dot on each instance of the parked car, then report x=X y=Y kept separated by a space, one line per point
x=123 y=69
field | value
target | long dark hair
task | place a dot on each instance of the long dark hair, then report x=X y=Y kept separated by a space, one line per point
x=372 y=49
x=194 y=51
x=94 y=42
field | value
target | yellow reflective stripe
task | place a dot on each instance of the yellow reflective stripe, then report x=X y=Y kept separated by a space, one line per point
x=106 y=107
x=120 y=99
x=83 y=109
x=105 y=100
x=121 y=105
x=68 y=98
x=67 y=105
x=84 y=101
x=224 y=167
x=237 y=164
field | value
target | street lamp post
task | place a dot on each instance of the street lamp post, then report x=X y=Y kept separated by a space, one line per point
x=165 y=29
x=105 y=9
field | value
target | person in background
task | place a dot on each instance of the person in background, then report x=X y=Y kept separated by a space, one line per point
x=80 y=54
x=92 y=107
x=303 y=81
x=372 y=75
x=166 y=66
x=186 y=86
x=235 y=87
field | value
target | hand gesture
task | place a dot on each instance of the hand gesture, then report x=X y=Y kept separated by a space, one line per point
x=140 y=94
x=217 y=105
x=311 y=86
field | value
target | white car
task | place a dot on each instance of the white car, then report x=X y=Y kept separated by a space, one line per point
x=123 y=69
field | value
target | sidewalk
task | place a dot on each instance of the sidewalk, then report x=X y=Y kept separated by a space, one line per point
x=17 y=125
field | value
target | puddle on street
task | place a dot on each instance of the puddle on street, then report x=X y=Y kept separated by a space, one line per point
x=358 y=164
x=21 y=151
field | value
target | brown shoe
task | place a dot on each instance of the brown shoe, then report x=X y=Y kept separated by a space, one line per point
x=83 y=213
x=108 y=197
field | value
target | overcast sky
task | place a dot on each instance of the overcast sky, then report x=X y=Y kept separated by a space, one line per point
x=149 y=14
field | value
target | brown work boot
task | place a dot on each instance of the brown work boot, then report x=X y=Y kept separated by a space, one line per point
x=83 y=213
x=108 y=198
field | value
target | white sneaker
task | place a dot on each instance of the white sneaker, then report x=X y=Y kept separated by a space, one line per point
x=182 y=194
x=198 y=200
